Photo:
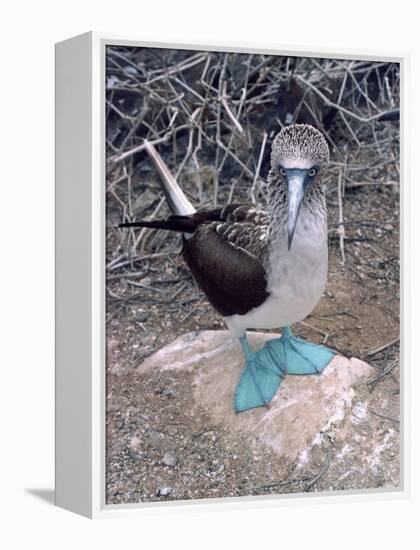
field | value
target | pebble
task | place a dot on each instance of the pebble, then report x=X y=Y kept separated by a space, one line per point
x=135 y=456
x=170 y=459
x=164 y=491
x=134 y=449
x=148 y=339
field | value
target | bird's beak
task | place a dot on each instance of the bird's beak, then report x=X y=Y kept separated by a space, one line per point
x=296 y=190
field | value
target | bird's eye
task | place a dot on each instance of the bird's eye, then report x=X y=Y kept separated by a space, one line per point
x=282 y=171
x=312 y=172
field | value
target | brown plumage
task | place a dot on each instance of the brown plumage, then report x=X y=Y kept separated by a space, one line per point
x=224 y=254
x=228 y=250
x=225 y=270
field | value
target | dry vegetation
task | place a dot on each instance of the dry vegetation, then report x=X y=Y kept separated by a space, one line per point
x=212 y=117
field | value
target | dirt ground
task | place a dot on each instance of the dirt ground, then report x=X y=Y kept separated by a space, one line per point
x=159 y=448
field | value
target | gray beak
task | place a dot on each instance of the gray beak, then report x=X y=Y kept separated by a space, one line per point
x=296 y=190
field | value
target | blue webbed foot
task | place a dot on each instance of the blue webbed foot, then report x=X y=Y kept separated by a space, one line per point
x=260 y=379
x=299 y=356
x=264 y=370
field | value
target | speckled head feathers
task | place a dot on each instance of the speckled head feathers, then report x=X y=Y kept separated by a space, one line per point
x=299 y=146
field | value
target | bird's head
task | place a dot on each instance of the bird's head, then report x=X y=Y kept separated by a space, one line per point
x=298 y=154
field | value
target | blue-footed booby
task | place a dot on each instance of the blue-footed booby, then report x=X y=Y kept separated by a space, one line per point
x=262 y=269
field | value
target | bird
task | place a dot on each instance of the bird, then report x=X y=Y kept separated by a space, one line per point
x=262 y=268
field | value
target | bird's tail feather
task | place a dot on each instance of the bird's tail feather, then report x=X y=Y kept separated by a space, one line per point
x=183 y=224
x=177 y=201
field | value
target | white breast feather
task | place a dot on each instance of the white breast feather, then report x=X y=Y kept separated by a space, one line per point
x=296 y=278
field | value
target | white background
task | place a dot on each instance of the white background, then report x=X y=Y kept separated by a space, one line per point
x=28 y=32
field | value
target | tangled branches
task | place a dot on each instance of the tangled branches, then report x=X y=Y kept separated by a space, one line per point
x=213 y=116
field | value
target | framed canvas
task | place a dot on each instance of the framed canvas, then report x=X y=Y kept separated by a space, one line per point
x=218 y=341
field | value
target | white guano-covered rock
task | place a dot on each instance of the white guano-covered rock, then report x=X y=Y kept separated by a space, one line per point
x=305 y=407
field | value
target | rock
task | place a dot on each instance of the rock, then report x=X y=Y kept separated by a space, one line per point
x=135 y=457
x=306 y=410
x=134 y=449
x=164 y=491
x=168 y=392
x=170 y=459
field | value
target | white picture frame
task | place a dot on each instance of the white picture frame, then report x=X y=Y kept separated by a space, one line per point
x=80 y=277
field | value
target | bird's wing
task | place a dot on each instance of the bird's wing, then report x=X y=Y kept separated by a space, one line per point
x=223 y=260
x=234 y=213
x=246 y=236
